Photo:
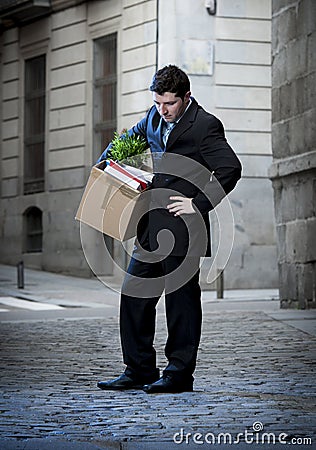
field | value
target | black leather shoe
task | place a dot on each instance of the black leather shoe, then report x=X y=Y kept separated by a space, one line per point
x=120 y=383
x=167 y=384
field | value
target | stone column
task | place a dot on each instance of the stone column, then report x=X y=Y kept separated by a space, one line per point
x=293 y=172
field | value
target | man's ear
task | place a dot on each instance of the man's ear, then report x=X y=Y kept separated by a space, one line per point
x=187 y=97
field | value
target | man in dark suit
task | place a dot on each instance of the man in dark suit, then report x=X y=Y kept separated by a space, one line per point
x=194 y=169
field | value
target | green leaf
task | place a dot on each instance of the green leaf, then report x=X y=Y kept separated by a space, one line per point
x=126 y=147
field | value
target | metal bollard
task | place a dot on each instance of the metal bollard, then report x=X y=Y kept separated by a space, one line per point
x=20 y=274
x=220 y=283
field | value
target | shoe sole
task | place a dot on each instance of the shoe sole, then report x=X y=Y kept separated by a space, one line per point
x=168 y=392
x=121 y=388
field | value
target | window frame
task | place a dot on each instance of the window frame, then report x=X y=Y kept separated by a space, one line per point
x=30 y=232
x=31 y=135
x=104 y=126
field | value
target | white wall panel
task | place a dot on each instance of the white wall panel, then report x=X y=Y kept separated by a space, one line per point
x=245 y=8
x=138 y=80
x=10 y=168
x=242 y=75
x=62 y=159
x=69 y=55
x=10 y=129
x=73 y=34
x=10 y=147
x=10 y=71
x=242 y=52
x=68 y=96
x=10 y=109
x=138 y=58
x=71 y=137
x=250 y=142
x=10 y=90
x=139 y=36
x=139 y=14
x=68 y=16
x=243 y=97
x=65 y=76
x=103 y=11
x=68 y=117
x=243 y=30
x=245 y=120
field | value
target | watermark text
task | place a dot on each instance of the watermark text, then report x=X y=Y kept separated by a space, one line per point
x=254 y=436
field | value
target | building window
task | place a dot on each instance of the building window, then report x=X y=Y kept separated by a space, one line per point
x=105 y=92
x=33 y=230
x=34 y=124
x=104 y=100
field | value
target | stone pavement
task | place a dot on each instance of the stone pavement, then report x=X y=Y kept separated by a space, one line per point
x=255 y=369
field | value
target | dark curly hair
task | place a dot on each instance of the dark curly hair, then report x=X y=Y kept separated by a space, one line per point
x=170 y=79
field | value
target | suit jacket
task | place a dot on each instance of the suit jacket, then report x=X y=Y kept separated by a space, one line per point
x=198 y=163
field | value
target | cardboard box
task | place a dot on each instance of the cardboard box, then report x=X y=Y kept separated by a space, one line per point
x=111 y=206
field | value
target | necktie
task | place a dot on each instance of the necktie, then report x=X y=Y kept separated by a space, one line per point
x=167 y=131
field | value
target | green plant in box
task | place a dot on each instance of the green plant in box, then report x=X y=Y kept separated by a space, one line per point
x=128 y=149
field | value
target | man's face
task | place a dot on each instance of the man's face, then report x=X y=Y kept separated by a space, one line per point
x=169 y=106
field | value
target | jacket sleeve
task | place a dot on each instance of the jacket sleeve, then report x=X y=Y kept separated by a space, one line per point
x=222 y=162
x=139 y=130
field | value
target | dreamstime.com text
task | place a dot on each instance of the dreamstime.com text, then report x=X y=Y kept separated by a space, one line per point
x=255 y=436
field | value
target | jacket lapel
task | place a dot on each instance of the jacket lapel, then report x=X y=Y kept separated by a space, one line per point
x=156 y=128
x=184 y=124
x=160 y=133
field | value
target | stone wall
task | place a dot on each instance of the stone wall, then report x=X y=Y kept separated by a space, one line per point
x=294 y=148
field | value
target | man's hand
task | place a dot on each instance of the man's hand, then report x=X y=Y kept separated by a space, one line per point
x=182 y=205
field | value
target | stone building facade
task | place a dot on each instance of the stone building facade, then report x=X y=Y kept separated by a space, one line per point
x=294 y=136
x=73 y=72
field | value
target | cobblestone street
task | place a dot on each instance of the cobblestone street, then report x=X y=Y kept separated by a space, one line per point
x=252 y=370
